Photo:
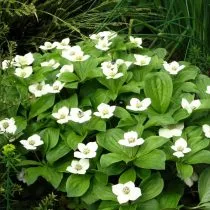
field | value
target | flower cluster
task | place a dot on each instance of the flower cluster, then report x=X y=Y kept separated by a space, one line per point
x=7 y=125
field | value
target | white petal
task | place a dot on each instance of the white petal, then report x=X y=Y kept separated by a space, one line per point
x=178 y=154
x=122 y=198
x=93 y=146
x=117 y=189
x=135 y=193
x=164 y=132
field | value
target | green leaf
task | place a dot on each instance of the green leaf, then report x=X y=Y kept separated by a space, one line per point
x=109 y=140
x=32 y=174
x=204 y=186
x=110 y=158
x=107 y=192
x=202 y=156
x=151 y=143
x=77 y=185
x=128 y=175
x=73 y=139
x=149 y=205
x=96 y=124
x=170 y=197
x=128 y=207
x=184 y=170
x=131 y=87
x=151 y=187
x=68 y=77
x=20 y=123
x=159 y=87
x=41 y=105
x=50 y=136
x=202 y=81
x=58 y=152
x=108 y=205
x=149 y=161
x=122 y=113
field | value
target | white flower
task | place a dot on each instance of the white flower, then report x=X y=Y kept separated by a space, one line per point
x=180 y=147
x=173 y=67
x=137 y=105
x=206 y=130
x=62 y=115
x=39 y=89
x=64 y=44
x=142 y=60
x=190 y=180
x=131 y=139
x=6 y=64
x=20 y=176
x=136 y=41
x=208 y=89
x=105 y=111
x=110 y=70
x=86 y=151
x=78 y=167
x=56 y=87
x=47 y=46
x=25 y=60
x=7 y=125
x=126 y=192
x=77 y=115
x=171 y=130
x=32 y=142
x=24 y=72
x=66 y=68
x=121 y=62
x=103 y=44
x=190 y=106
x=51 y=63
x=74 y=53
x=103 y=35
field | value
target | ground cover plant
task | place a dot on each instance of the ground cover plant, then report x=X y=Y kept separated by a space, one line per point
x=108 y=124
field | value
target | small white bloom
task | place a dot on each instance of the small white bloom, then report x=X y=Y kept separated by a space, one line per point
x=121 y=62
x=110 y=70
x=180 y=148
x=64 y=44
x=126 y=192
x=190 y=180
x=137 y=105
x=136 y=41
x=39 y=89
x=78 y=167
x=6 y=64
x=103 y=44
x=142 y=60
x=24 y=72
x=208 y=89
x=56 y=87
x=86 y=151
x=32 y=142
x=7 y=125
x=103 y=35
x=25 y=60
x=190 y=106
x=74 y=53
x=20 y=176
x=62 y=115
x=66 y=68
x=131 y=139
x=173 y=67
x=77 y=115
x=105 y=111
x=171 y=130
x=51 y=63
x=47 y=46
x=206 y=130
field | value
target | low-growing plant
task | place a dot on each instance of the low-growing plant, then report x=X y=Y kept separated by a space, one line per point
x=111 y=124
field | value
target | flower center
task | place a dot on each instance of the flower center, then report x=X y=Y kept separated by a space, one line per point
x=62 y=116
x=180 y=148
x=143 y=62
x=138 y=105
x=78 y=167
x=39 y=87
x=126 y=190
x=173 y=68
x=31 y=142
x=5 y=125
x=56 y=87
x=86 y=151
x=23 y=74
x=105 y=112
x=80 y=114
x=131 y=140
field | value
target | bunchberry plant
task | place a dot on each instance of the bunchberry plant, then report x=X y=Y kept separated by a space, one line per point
x=112 y=124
